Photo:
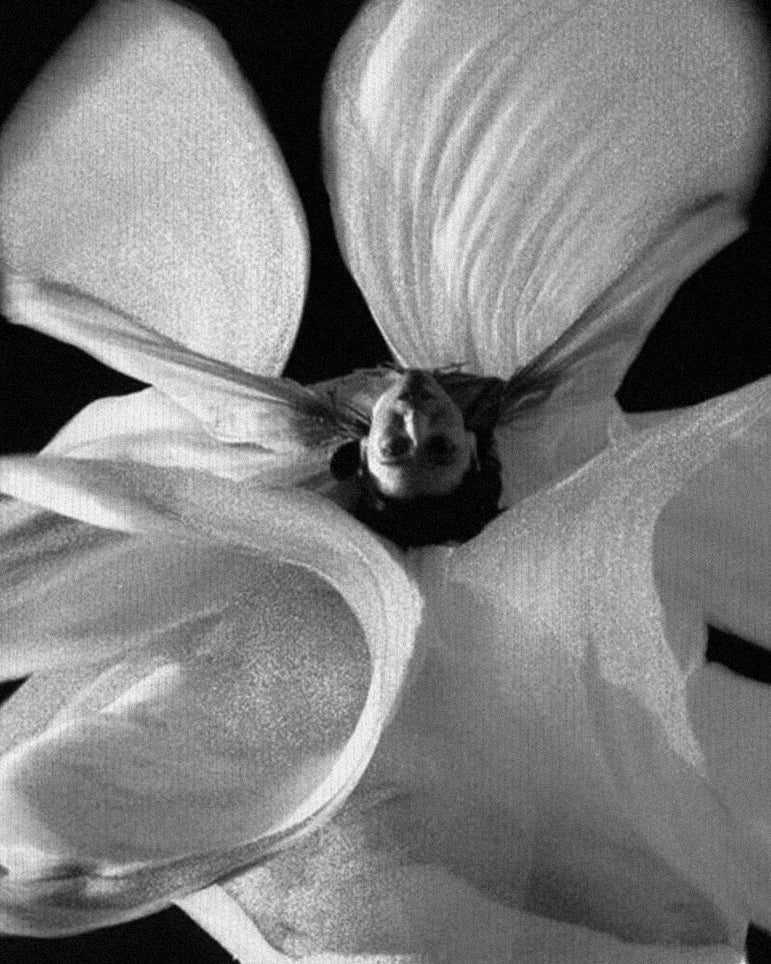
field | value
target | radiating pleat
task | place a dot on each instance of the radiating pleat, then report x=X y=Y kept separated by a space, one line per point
x=138 y=169
x=495 y=169
x=588 y=361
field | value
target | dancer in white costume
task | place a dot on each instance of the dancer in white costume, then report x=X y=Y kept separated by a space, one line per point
x=508 y=749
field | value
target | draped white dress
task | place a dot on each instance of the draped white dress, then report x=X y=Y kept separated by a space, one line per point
x=507 y=750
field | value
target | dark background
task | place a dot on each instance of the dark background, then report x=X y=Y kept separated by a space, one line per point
x=714 y=337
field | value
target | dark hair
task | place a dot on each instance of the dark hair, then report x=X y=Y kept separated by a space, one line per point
x=434 y=519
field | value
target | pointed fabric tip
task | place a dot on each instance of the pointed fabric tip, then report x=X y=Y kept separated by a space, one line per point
x=275 y=415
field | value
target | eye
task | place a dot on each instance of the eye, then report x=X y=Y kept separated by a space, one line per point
x=441 y=450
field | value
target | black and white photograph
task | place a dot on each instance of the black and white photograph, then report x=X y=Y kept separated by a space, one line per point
x=385 y=481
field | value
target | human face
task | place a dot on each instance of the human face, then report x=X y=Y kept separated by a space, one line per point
x=417 y=443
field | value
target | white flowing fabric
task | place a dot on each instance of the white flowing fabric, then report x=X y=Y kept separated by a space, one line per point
x=576 y=706
x=495 y=167
x=137 y=169
x=148 y=218
x=247 y=711
x=277 y=415
x=617 y=786
x=147 y=426
x=217 y=661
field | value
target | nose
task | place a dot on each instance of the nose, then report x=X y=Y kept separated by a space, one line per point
x=417 y=425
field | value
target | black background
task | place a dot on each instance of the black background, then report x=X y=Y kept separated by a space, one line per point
x=714 y=337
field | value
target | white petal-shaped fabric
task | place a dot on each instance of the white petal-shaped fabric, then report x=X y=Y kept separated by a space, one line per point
x=496 y=167
x=52 y=564
x=138 y=170
x=276 y=660
x=588 y=709
x=585 y=779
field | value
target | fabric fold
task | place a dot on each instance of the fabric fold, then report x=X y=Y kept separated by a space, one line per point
x=490 y=182
x=605 y=700
x=221 y=658
x=505 y=935
x=587 y=363
x=274 y=414
x=278 y=606
x=579 y=779
x=51 y=567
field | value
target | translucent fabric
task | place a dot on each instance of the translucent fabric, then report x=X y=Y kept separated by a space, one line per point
x=600 y=669
x=564 y=696
x=154 y=635
x=468 y=928
x=232 y=404
x=207 y=595
x=137 y=169
x=495 y=168
x=148 y=427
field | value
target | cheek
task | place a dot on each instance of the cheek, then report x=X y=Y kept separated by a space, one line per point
x=731 y=718
x=451 y=423
x=381 y=430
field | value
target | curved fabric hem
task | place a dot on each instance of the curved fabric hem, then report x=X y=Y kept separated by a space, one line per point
x=230 y=926
x=223 y=919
